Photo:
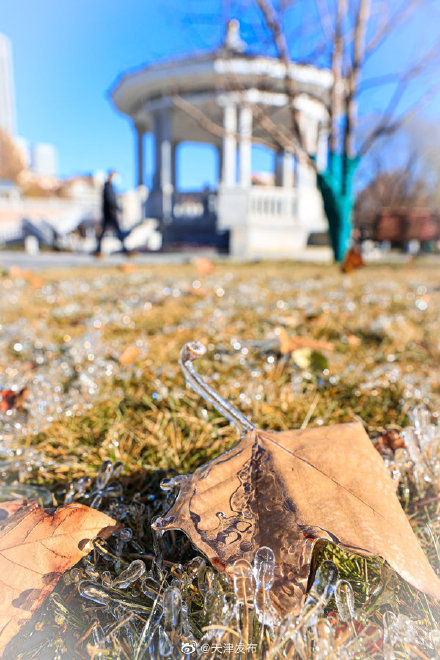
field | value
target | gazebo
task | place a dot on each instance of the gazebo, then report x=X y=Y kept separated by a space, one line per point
x=218 y=98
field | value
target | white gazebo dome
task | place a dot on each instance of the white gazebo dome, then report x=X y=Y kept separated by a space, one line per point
x=218 y=97
x=205 y=80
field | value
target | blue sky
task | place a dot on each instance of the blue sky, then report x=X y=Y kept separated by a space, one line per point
x=67 y=54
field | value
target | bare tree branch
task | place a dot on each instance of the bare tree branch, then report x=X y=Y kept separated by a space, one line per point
x=205 y=122
x=353 y=80
x=398 y=17
x=377 y=81
x=337 y=55
x=280 y=137
x=325 y=20
x=388 y=124
x=283 y=53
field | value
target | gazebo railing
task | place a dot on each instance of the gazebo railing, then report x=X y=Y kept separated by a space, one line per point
x=272 y=202
x=257 y=205
x=194 y=205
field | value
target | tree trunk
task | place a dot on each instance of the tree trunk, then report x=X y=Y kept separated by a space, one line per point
x=336 y=188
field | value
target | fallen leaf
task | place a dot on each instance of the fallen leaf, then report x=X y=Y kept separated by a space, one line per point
x=36 y=282
x=25 y=274
x=14 y=271
x=288 y=489
x=353 y=340
x=8 y=508
x=290 y=344
x=305 y=358
x=126 y=267
x=302 y=357
x=10 y=399
x=389 y=440
x=204 y=266
x=353 y=260
x=36 y=547
x=129 y=355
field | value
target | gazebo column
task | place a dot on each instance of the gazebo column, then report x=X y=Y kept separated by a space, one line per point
x=140 y=178
x=219 y=162
x=322 y=147
x=165 y=148
x=157 y=126
x=161 y=197
x=162 y=140
x=305 y=172
x=245 y=147
x=229 y=145
x=284 y=169
x=174 y=164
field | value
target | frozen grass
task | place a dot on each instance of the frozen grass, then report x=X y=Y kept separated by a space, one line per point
x=383 y=321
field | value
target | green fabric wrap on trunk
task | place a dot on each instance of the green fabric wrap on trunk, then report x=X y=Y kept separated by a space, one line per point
x=336 y=187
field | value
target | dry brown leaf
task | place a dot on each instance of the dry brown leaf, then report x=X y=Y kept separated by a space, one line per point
x=8 y=508
x=389 y=440
x=36 y=547
x=36 y=282
x=204 y=266
x=286 y=490
x=353 y=260
x=10 y=399
x=126 y=267
x=129 y=355
x=353 y=340
x=15 y=271
x=290 y=344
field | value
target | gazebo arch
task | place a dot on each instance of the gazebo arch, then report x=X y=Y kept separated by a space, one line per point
x=187 y=151
x=213 y=98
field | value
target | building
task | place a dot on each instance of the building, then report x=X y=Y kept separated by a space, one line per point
x=24 y=149
x=51 y=208
x=44 y=159
x=214 y=98
x=8 y=119
x=9 y=191
x=401 y=226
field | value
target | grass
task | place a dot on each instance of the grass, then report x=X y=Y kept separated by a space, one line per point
x=384 y=323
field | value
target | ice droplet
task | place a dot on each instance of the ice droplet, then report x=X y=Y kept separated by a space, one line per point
x=95 y=593
x=172 y=606
x=264 y=567
x=320 y=593
x=344 y=601
x=130 y=574
x=243 y=580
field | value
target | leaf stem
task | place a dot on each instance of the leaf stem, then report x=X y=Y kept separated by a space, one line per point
x=191 y=352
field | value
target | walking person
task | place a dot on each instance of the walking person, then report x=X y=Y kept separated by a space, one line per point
x=110 y=209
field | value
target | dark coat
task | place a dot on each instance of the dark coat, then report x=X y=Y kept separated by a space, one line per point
x=110 y=205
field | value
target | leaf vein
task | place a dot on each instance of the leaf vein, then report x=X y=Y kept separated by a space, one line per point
x=337 y=483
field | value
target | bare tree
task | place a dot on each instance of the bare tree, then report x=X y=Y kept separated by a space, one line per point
x=412 y=184
x=342 y=35
x=393 y=190
x=11 y=160
x=352 y=36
